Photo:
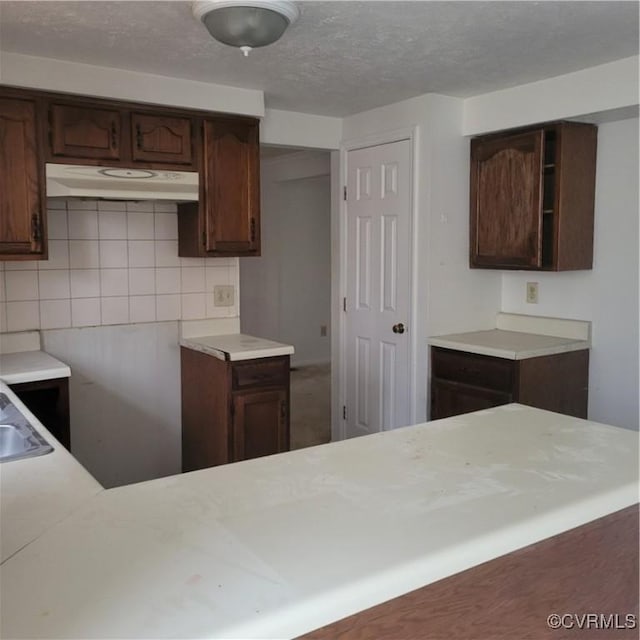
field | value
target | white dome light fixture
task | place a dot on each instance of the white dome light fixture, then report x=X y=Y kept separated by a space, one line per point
x=246 y=24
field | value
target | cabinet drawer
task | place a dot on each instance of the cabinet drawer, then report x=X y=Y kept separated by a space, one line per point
x=472 y=369
x=259 y=374
x=453 y=399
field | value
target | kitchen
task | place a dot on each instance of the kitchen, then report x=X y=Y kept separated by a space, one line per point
x=442 y=261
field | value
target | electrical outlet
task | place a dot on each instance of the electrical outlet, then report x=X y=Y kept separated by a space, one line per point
x=532 y=292
x=223 y=295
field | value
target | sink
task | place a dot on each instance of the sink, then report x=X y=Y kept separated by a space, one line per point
x=18 y=438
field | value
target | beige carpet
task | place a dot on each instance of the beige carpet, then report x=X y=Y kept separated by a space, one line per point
x=310 y=405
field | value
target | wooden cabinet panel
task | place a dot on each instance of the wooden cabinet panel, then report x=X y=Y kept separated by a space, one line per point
x=506 y=199
x=532 y=198
x=79 y=131
x=232 y=189
x=157 y=138
x=260 y=420
x=462 y=382
x=22 y=223
x=226 y=220
x=558 y=383
x=232 y=411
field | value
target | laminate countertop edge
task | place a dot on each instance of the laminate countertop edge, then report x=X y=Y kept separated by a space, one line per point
x=510 y=345
x=237 y=347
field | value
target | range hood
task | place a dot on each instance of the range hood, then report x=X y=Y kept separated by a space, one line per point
x=115 y=183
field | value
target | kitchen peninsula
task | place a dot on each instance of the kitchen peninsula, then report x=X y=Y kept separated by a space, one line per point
x=281 y=545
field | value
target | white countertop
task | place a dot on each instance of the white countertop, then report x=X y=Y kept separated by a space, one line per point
x=36 y=493
x=30 y=366
x=277 y=546
x=237 y=346
x=512 y=345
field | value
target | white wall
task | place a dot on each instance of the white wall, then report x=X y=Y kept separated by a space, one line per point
x=106 y=82
x=289 y=128
x=604 y=89
x=608 y=294
x=125 y=399
x=449 y=296
x=285 y=293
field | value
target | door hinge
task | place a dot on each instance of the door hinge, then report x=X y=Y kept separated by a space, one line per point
x=344 y=304
x=253 y=229
x=344 y=412
x=283 y=411
x=344 y=192
x=204 y=239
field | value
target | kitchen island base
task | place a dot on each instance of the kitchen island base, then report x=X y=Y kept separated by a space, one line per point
x=592 y=569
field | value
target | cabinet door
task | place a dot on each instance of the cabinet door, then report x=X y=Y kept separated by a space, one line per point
x=85 y=132
x=161 y=139
x=21 y=216
x=506 y=201
x=452 y=399
x=260 y=423
x=232 y=187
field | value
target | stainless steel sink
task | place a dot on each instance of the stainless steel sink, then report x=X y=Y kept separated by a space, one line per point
x=18 y=438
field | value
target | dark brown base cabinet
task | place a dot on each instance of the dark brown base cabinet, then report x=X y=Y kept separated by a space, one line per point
x=232 y=411
x=48 y=400
x=462 y=382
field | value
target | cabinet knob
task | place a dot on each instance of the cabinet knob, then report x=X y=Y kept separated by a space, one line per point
x=398 y=328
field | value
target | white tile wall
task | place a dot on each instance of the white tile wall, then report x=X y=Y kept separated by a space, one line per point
x=112 y=263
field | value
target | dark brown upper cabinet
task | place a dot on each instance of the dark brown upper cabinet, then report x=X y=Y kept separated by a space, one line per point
x=22 y=218
x=532 y=198
x=159 y=138
x=226 y=220
x=40 y=127
x=83 y=132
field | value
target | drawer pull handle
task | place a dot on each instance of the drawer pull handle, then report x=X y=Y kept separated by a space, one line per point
x=138 y=136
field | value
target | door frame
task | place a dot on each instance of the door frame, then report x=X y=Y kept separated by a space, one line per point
x=338 y=427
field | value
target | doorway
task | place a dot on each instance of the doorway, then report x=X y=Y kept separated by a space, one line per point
x=285 y=294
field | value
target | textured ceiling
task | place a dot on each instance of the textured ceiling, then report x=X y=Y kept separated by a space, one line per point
x=341 y=57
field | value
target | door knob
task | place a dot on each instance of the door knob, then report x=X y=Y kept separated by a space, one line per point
x=398 y=328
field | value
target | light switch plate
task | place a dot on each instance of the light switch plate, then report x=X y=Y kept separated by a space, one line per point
x=223 y=295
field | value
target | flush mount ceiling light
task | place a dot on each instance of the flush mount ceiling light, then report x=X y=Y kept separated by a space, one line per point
x=246 y=24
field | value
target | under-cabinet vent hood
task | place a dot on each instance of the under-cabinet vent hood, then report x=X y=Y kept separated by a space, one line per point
x=115 y=183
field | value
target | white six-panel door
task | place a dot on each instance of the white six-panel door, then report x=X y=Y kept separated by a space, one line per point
x=378 y=246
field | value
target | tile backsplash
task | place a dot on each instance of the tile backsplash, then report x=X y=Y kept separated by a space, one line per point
x=112 y=263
